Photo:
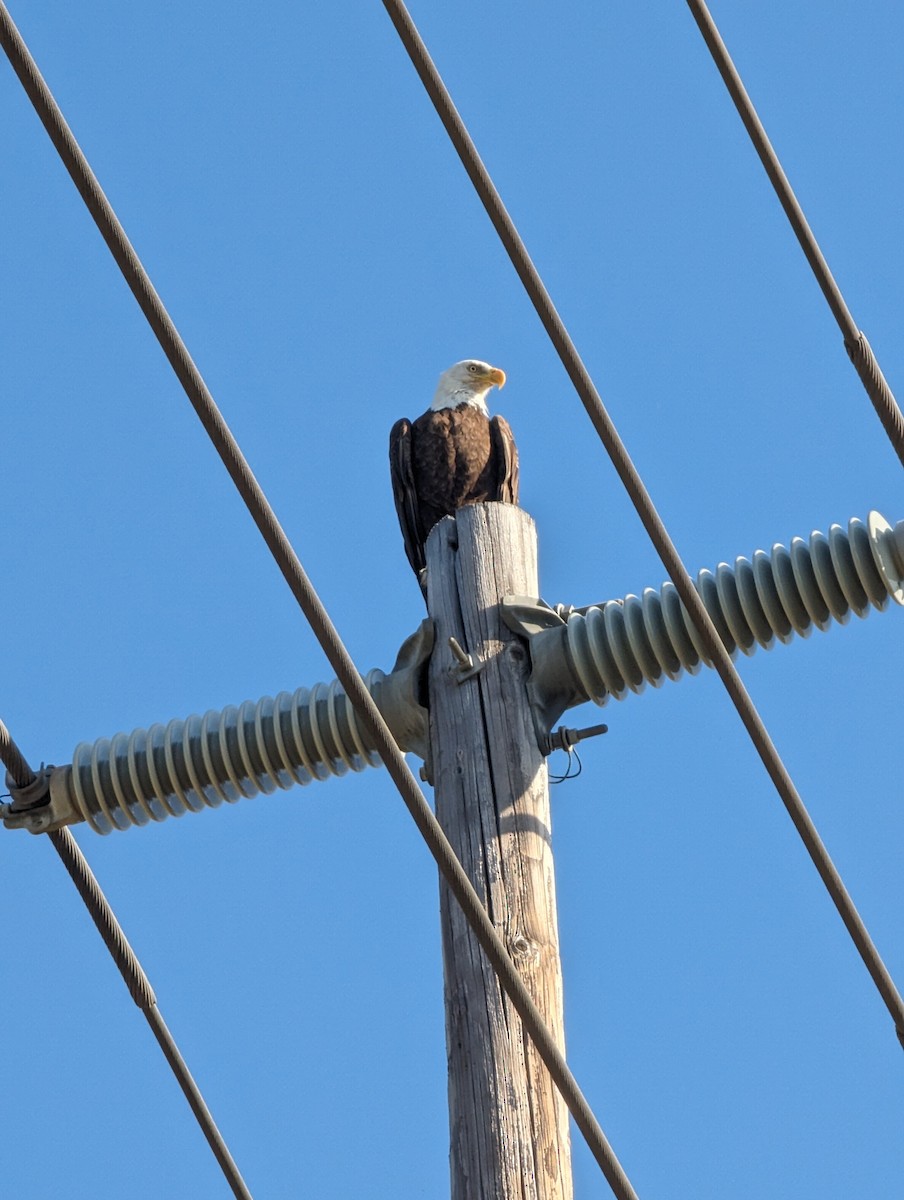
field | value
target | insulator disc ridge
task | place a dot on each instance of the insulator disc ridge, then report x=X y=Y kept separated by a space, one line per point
x=222 y=757
x=620 y=646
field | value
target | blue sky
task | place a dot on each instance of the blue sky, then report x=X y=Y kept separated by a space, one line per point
x=299 y=209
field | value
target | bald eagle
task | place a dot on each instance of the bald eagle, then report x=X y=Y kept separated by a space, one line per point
x=454 y=454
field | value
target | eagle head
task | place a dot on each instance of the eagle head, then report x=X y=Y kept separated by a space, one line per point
x=467 y=383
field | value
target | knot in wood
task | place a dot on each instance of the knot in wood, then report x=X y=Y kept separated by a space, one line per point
x=524 y=950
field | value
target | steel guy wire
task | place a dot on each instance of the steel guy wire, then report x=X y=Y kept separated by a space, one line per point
x=640 y=497
x=20 y=772
x=858 y=348
x=130 y=968
x=264 y=517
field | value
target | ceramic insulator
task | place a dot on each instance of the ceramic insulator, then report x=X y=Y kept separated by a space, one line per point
x=620 y=646
x=202 y=762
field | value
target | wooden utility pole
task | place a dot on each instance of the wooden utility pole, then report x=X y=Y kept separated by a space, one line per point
x=508 y=1124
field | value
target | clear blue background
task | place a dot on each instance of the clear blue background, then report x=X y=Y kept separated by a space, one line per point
x=293 y=196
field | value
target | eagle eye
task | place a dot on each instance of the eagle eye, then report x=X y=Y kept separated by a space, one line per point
x=473 y=367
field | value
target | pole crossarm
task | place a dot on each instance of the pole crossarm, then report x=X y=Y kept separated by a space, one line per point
x=20 y=775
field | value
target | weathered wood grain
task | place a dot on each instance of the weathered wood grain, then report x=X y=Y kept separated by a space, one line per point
x=509 y=1127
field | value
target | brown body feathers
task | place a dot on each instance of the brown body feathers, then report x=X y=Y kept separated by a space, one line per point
x=444 y=460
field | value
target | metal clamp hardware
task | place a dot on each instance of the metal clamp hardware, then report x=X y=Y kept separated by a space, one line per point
x=552 y=685
x=30 y=807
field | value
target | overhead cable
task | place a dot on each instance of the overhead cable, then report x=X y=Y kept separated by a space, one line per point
x=21 y=776
x=858 y=348
x=714 y=650
x=312 y=607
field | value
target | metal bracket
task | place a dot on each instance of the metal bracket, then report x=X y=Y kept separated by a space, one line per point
x=401 y=695
x=552 y=687
x=31 y=806
x=528 y=615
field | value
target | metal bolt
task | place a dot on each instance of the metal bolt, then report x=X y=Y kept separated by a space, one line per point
x=564 y=739
x=464 y=659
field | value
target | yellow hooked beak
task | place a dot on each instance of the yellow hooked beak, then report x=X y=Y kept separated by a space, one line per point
x=497 y=375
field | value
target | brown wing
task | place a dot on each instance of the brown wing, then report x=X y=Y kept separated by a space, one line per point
x=505 y=453
x=405 y=494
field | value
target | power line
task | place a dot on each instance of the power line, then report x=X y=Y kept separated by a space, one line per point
x=858 y=348
x=109 y=928
x=640 y=497
x=258 y=506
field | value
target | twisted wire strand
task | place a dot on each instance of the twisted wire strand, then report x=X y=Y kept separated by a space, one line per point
x=861 y=355
x=85 y=882
x=130 y=968
x=104 y=918
x=640 y=497
x=308 y=600
x=855 y=342
x=20 y=772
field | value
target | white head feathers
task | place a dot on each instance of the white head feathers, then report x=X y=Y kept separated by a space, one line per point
x=467 y=383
